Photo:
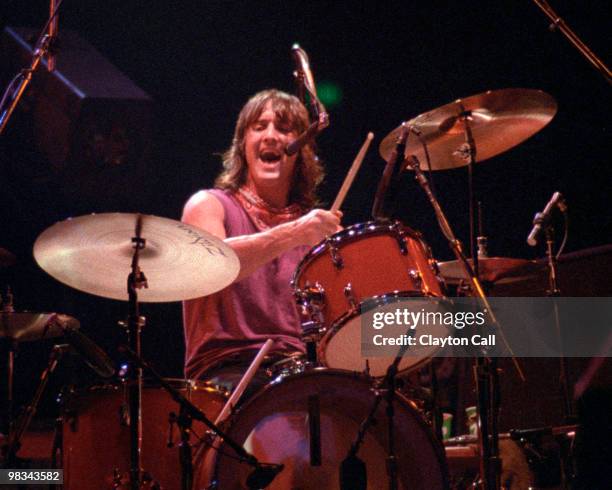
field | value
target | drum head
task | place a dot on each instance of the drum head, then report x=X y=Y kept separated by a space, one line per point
x=275 y=427
x=341 y=347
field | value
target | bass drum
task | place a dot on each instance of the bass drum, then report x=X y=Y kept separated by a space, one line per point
x=96 y=434
x=275 y=426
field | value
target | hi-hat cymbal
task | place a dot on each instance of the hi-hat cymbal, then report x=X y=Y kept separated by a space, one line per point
x=6 y=258
x=26 y=327
x=490 y=269
x=94 y=254
x=499 y=120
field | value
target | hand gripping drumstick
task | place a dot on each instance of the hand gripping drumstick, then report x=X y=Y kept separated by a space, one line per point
x=348 y=180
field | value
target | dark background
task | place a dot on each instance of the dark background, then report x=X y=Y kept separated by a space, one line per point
x=200 y=61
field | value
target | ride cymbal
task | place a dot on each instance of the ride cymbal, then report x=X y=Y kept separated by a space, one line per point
x=498 y=119
x=94 y=254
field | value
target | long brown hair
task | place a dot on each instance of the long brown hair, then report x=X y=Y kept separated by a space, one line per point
x=308 y=172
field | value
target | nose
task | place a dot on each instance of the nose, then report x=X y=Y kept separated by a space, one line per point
x=270 y=133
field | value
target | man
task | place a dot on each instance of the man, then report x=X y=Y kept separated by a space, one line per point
x=262 y=208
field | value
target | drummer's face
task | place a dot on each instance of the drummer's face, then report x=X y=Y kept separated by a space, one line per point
x=265 y=142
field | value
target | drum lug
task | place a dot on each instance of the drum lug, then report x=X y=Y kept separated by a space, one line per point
x=348 y=294
x=124 y=415
x=311 y=301
x=416 y=276
x=335 y=255
x=433 y=264
x=310 y=295
x=400 y=236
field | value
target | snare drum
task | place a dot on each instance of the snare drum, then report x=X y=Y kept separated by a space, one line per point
x=308 y=422
x=385 y=261
x=96 y=434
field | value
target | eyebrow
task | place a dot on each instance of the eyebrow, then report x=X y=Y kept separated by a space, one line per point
x=279 y=118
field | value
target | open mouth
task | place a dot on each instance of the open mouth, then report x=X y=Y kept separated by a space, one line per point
x=270 y=156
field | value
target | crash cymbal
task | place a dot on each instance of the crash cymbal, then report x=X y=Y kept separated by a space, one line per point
x=94 y=254
x=490 y=269
x=499 y=120
x=26 y=327
x=6 y=258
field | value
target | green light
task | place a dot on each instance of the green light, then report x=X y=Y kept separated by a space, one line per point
x=330 y=94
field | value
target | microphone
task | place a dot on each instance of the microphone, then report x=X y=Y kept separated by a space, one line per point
x=303 y=139
x=90 y=352
x=263 y=475
x=397 y=155
x=541 y=219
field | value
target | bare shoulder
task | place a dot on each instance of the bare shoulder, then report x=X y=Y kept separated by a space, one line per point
x=202 y=200
x=205 y=211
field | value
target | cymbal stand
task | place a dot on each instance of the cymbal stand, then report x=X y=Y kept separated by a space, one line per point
x=486 y=370
x=7 y=310
x=263 y=473
x=187 y=412
x=136 y=280
x=468 y=152
x=14 y=440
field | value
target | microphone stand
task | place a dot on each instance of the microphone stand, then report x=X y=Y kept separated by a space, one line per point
x=189 y=412
x=184 y=423
x=542 y=222
x=304 y=81
x=390 y=176
x=352 y=471
x=42 y=48
x=554 y=292
x=486 y=370
x=557 y=23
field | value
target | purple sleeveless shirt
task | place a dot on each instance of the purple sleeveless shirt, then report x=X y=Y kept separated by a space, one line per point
x=245 y=314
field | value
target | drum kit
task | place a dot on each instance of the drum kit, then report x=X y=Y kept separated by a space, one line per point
x=335 y=414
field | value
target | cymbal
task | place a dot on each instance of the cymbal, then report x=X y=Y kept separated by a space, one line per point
x=490 y=269
x=6 y=258
x=93 y=254
x=499 y=120
x=26 y=327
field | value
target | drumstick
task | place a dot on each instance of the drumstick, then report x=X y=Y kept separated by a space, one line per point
x=348 y=180
x=244 y=382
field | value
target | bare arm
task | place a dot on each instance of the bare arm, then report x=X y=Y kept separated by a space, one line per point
x=206 y=212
